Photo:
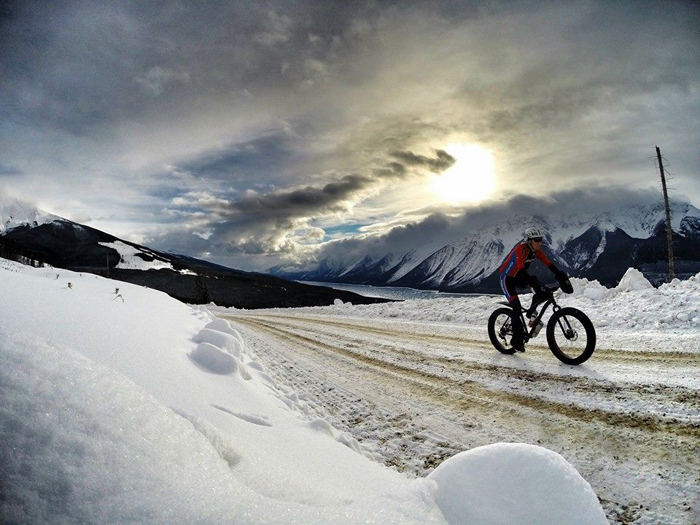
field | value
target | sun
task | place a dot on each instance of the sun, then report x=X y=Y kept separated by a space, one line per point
x=470 y=179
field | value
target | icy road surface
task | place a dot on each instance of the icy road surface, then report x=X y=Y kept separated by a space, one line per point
x=414 y=393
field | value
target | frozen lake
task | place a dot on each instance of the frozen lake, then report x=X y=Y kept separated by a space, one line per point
x=391 y=292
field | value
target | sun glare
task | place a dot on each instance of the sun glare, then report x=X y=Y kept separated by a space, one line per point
x=472 y=177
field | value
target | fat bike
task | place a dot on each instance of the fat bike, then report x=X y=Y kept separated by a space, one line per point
x=570 y=333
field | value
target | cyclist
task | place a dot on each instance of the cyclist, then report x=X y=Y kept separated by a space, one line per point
x=514 y=275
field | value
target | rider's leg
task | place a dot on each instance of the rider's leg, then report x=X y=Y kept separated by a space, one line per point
x=508 y=285
x=534 y=283
x=539 y=296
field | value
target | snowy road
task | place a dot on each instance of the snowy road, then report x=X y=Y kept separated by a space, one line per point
x=414 y=393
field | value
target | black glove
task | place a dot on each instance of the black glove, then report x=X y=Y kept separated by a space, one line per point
x=560 y=276
x=564 y=282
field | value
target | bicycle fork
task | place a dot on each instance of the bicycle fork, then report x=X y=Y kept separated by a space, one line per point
x=538 y=319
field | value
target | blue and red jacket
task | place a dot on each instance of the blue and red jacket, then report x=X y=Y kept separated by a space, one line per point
x=521 y=256
x=519 y=259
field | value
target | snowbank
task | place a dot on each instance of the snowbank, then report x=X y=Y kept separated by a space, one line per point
x=83 y=444
x=133 y=411
x=125 y=405
x=633 y=281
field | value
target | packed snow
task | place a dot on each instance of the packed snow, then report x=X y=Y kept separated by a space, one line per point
x=122 y=405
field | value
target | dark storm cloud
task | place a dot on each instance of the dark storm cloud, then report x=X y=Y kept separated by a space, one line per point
x=439 y=164
x=311 y=201
x=240 y=121
x=304 y=202
x=258 y=223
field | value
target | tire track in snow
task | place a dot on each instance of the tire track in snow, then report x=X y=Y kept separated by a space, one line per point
x=446 y=373
x=637 y=356
x=668 y=403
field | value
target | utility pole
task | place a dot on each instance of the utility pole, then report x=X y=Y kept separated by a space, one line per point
x=669 y=231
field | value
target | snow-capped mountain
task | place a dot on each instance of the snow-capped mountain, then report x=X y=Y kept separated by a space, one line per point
x=35 y=237
x=599 y=246
x=14 y=212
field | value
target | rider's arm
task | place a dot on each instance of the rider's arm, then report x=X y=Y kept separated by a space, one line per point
x=552 y=267
x=559 y=274
x=542 y=257
x=522 y=251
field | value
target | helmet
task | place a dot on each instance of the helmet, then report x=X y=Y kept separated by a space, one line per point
x=532 y=233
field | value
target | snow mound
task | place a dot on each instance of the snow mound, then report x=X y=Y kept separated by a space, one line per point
x=213 y=359
x=220 y=349
x=633 y=281
x=221 y=325
x=222 y=340
x=592 y=290
x=514 y=483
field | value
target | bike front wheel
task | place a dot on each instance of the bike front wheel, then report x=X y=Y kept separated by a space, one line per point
x=571 y=336
x=501 y=330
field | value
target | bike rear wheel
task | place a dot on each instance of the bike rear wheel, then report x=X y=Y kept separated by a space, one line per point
x=501 y=330
x=571 y=336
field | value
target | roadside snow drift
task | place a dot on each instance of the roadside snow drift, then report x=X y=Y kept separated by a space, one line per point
x=119 y=404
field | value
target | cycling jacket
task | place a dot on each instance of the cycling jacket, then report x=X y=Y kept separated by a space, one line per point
x=520 y=257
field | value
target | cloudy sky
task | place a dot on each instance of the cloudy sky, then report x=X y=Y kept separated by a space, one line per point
x=259 y=132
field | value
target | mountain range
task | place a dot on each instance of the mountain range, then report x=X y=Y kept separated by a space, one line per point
x=597 y=246
x=35 y=237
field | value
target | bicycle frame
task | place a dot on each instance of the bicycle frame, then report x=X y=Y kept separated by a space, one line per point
x=551 y=300
x=538 y=318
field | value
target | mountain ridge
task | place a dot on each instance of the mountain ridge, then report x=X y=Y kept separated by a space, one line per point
x=36 y=237
x=599 y=246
